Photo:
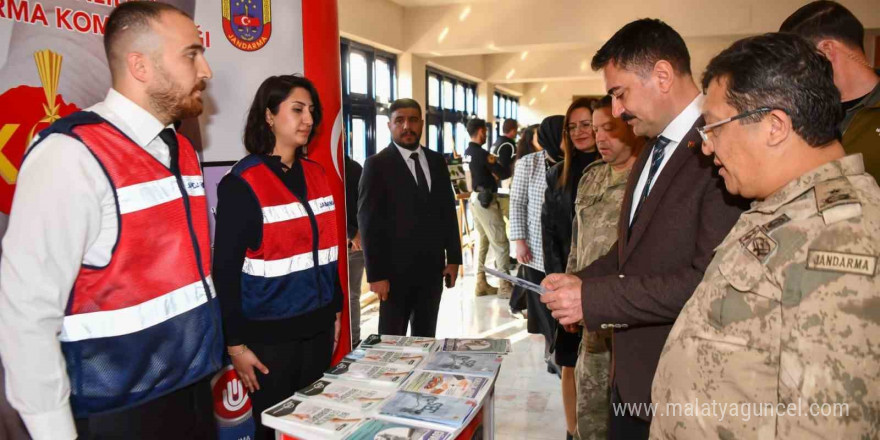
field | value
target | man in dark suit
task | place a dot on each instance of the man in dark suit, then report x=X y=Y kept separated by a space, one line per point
x=675 y=212
x=408 y=226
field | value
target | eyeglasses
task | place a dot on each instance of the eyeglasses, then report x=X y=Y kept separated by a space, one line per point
x=704 y=130
x=582 y=126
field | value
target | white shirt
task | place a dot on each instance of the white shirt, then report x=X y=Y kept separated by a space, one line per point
x=412 y=166
x=63 y=215
x=675 y=132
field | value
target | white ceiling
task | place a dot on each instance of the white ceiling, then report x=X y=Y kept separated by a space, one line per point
x=418 y=3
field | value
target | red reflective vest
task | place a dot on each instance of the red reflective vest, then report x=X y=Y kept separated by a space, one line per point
x=147 y=323
x=295 y=268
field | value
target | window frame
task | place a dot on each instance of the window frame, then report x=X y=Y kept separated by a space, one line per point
x=501 y=111
x=438 y=115
x=365 y=106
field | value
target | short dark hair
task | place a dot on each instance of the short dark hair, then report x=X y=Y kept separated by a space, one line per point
x=404 y=103
x=509 y=124
x=640 y=44
x=826 y=19
x=474 y=125
x=132 y=16
x=258 y=136
x=603 y=102
x=781 y=71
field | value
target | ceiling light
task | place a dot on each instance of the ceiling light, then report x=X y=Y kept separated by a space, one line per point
x=544 y=88
x=510 y=74
x=584 y=66
x=524 y=56
x=443 y=34
x=464 y=14
x=532 y=101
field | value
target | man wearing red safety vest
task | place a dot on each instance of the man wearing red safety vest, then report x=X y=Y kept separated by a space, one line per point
x=109 y=327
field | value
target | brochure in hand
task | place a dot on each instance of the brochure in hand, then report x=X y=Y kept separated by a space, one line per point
x=376 y=374
x=405 y=343
x=411 y=359
x=294 y=414
x=351 y=395
x=482 y=364
x=477 y=345
x=373 y=429
x=442 y=384
x=430 y=409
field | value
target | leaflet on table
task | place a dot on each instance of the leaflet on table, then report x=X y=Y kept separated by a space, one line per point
x=353 y=395
x=373 y=429
x=295 y=414
x=429 y=409
x=372 y=355
x=477 y=345
x=444 y=384
x=377 y=374
x=405 y=343
x=482 y=364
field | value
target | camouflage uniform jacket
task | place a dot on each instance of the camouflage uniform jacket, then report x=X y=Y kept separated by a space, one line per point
x=594 y=232
x=788 y=315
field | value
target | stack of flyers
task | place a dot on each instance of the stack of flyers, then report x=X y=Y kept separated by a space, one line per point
x=377 y=374
x=478 y=345
x=371 y=355
x=482 y=364
x=452 y=385
x=351 y=395
x=373 y=429
x=405 y=343
x=428 y=409
x=294 y=414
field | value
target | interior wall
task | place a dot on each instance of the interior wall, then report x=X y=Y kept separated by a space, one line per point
x=378 y=23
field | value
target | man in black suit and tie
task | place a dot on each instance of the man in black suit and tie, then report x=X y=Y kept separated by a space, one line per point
x=675 y=212
x=408 y=226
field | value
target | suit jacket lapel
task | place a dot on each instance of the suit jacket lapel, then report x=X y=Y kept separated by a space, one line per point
x=402 y=168
x=631 y=182
x=661 y=184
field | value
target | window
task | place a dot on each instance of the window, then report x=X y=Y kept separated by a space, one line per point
x=368 y=87
x=451 y=102
x=506 y=107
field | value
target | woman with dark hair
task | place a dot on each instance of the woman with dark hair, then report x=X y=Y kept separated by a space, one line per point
x=275 y=249
x=526 y=200
x=579 y=150
x=528 y=142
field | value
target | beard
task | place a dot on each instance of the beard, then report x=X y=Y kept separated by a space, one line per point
x=409 y=146
x=169 y=98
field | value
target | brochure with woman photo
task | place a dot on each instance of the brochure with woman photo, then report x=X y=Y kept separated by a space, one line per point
x=482 y=364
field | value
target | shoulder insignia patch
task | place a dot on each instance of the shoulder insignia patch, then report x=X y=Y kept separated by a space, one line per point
x=842 y=262
x=776 y=222
x=758 y=243
x=836 y=201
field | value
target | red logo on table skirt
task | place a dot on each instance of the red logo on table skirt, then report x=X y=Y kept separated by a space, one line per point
x=247 y=24
x=231 y=400
x=24 y=112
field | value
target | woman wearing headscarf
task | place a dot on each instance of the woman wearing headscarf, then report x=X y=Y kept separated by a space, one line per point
x=579 y=150
x=526 y=200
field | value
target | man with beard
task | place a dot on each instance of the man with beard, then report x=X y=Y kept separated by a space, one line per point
x=408 y=226
x=108 y=325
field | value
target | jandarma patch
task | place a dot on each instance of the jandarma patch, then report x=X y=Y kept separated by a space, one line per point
x=842 y=262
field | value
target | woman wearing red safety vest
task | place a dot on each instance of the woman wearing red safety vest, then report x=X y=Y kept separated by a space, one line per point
x=275 y=249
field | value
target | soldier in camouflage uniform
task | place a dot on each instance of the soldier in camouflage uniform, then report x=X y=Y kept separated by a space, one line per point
x=594 y=231
x=788 y=313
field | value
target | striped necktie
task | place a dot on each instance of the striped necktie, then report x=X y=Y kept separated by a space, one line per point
x=657 y=154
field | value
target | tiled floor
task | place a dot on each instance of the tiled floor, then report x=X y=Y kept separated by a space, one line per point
x=528 y=400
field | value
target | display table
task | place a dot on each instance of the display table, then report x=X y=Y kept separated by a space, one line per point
x=482 y=420
x=464 y=370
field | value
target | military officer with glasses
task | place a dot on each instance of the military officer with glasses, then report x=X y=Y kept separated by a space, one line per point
x=779 y=340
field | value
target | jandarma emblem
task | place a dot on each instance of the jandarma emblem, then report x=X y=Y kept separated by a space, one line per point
x=247 y=24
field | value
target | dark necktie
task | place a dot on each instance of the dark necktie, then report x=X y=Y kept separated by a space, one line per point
x=420 y=176
x=658 y=153
x=170 y=138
